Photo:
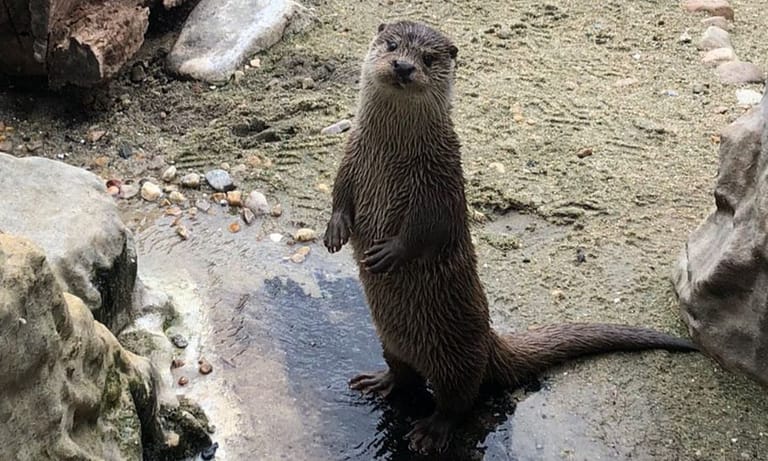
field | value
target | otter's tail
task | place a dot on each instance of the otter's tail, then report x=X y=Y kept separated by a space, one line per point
x=518 y=357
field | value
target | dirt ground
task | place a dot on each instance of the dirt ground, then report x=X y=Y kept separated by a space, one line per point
x=537 y=84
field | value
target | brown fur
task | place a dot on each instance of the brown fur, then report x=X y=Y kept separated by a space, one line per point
x=399 y=199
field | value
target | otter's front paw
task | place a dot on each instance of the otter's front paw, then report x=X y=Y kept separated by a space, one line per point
x=385 y=255
x=337 y=232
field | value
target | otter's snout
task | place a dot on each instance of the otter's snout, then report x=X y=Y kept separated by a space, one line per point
x=404 y=70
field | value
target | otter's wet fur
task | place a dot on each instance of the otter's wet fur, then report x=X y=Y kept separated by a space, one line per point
x=399 y=199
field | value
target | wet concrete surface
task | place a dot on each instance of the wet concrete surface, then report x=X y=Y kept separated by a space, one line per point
x=284 y=338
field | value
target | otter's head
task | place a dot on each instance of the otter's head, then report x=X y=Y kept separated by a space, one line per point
x=410 y=58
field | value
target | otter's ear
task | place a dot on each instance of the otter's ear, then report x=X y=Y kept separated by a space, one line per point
x=382 y=26
x=453 y=51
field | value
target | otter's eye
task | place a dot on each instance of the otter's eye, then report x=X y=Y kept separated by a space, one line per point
x=428 y=60
x=391 y=46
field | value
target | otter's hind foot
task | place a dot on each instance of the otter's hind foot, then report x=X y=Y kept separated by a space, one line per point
x=380 y=382
x=431 y=434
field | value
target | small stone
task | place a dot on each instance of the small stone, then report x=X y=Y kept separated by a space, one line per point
x=94 y=135
x=739 y=72
x=713 y=7
x=720 y=109
x=179 y=341
x=238 y=76
x=479 y=216
x=224 y=166
x=168 y=188
x=150 y=191
x=173 y=211
x=718 y=56
x=248 y=216
x=580 y=256
x=276 y=211
x=203 y=205
x=714 y=37
x=205 y=367
x=255 y=63
x=138 y=74
x=584 y=152
x=671 y=93
x=182 y=232
x=498 y=167
x=235 y=198
x=685 y=37
x=257 y=202
x=125 y=151
x=307 y=83
x=169 y=174
x=172 y=439
x=99 y=162
x=234 y=227
x=625 y=82
x=191 y=180
x=305 y=235
x=298 y=258
x=219 y=180
x=177 y=363
x=323 y=187
x=219 y=197
x=275 y=237
x=717 y=21
x=113 y=191
x=129 y=191
x=183 y=381
x=747 y=97
x=176 y=197
x=557 y=295
x=337 y=128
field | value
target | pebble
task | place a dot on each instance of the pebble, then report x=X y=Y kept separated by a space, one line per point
x=717 y=21
x=169 y=174
x=301 y=255
x=255 y=62
x=191 y=180
x=168 y=188
x=203 y=205
x=713 y=7
x=176 y=197
x=685 y=37
x=323 y=187
x=173 y=211
x=307 y=83
x=234 y=227
x=581 y=257
x=113 y=190
x=172 y=439
x=276 y=211
x=276 y=237
x=257 y=202
x=182 y=232
x=498 y=167
x=337 y=128
x=129 y=191
x=177 y=363
x=714 y=37
x=219 y=197
x=183 y=381
x=739 y=72
x=150 y=191
x=585 y=152
x=94 y=135
x=219 y=180
x=138 y=74
x=125 y=151
x=672 y=93
x=717 y=56
x=205 y=367
x=238 y=76
x=248 y=216
x=305 y=235
x=747 y=97
x=720 y=109
x=235 y=198
x=179 y=341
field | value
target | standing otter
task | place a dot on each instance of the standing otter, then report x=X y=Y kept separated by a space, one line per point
x=399 y=199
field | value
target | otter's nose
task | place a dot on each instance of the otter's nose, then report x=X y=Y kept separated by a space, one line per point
x=404 y=70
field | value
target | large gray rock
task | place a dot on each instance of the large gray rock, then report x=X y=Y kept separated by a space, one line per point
x=220 y=34
x=68 y=390
x=66 y=211
x=721 y=278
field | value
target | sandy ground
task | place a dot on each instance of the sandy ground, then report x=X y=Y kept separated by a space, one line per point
x=537 y=83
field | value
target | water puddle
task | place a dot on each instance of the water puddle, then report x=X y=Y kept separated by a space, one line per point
x=284 y=338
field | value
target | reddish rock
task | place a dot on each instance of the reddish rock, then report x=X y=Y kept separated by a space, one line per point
x=713 y=7
x=738 y=72
x=714 y=37
x=718 y=56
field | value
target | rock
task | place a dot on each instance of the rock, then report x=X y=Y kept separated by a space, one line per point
x=219 y=180
x=720 y=279
x=717 y=21
x=337 y=128
x=179 y=341
x=177 y=363
x=739 y=72
x=238 y=76
x=203 y=205
x=714 y=37
x=723 y=109
x=182 y=232
x=248 y=216
x=307 y=83
x=125 y=151
x=169 y=174
x=77 y=224
x=235 y=198
x=138 y=74
x=713 y=7
x=234 y=227
x=323 y=187
x=183 y=381
x=94 y=135
x=220 y=198
x=585 y=152
x=747 y=97
x=176 y=197
x=255 y=63
x=191 y=180
x=717 y=56
x=205 y=367
x=257 y=202
x=70 y=389
x=150 y=191
x=218 y=36
x=301 y=255
x=305 y=235
x=129 y=191
x=276 y=211
x=685 y=37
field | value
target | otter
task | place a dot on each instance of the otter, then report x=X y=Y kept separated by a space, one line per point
x=398 y=198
